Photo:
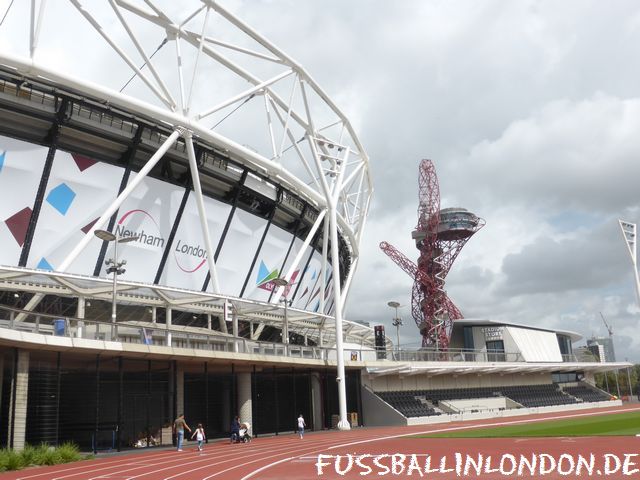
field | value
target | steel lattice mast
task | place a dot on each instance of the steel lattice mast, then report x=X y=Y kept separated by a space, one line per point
x=439 y=237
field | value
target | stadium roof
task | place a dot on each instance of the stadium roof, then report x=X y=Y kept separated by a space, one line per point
x=301 y=322
x=485 y=368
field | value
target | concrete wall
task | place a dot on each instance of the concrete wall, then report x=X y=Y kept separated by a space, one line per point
x=462 y=405
x=378 y=413
x=516 y=412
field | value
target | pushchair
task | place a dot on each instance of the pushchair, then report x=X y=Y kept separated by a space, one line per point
x=244 y=435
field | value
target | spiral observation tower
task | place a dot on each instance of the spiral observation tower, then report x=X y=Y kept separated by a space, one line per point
x=439 y=236
x=180 y=125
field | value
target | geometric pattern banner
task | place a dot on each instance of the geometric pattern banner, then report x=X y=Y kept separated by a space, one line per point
x=18 y=224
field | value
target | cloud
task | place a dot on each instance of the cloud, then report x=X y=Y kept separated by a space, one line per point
x=530 y=111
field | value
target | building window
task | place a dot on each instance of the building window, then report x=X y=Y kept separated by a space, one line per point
x=565 y=377
x=495 y=351
x=468 y=338
x=564 y=342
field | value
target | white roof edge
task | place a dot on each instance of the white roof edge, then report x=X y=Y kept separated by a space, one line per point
x=575 y=336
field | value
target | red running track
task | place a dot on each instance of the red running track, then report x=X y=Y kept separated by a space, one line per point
x=352 y=455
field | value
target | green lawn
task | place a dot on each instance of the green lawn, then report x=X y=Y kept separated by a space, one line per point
x=613 y=424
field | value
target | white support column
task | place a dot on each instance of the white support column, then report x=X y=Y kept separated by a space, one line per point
x=81 y=307
x=80 y=314
x=223 y=323
x=168 y=326
x=316 y=402
x=18 y=411
x=244 y=397
x=195 y=180
x=343 y=424
x=234 y=329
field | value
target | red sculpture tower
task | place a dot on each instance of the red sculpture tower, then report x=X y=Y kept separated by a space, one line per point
x=439 y=237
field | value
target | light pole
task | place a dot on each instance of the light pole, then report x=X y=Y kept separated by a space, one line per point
x=281 y=282
x=629 y=233
x=114 y=267
x=397 y=322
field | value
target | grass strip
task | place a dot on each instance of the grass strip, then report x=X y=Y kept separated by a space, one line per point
x=618 y=424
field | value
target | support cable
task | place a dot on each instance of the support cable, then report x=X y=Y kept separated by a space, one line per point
x=164 y=42
x=6 y=12
x=233 y=111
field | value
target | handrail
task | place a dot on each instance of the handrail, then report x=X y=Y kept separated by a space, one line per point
x=159 y=334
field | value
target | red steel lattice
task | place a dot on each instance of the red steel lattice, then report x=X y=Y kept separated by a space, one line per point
x=439 y=236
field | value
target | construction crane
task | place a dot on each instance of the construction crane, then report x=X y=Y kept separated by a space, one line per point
x=439 y=237
x=609 y=328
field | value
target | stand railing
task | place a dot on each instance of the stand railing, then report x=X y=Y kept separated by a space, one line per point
x=158 y=334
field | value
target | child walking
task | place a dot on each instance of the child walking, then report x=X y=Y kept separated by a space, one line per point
x=301 y=426
x=200 y=436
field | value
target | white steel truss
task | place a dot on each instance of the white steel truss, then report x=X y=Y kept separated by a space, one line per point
x=629 y=231
x=208 y=85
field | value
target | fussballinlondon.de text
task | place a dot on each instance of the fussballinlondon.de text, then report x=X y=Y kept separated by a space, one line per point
x=465 y=465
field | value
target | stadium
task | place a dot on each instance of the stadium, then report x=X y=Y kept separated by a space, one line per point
x=171 y=248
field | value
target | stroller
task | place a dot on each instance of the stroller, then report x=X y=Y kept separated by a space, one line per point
x=244 y=435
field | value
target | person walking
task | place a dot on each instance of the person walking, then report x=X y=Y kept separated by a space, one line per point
x=235 y=429
x=301 y=426
x=179 y=425
x=200 y=436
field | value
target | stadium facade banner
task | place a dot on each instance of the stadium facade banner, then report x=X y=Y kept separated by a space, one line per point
x=79 y=189
x=186 y=264
x=149 y=213
x=268 y=264
x=309 y=293
x=239 y=249
x=21 y=166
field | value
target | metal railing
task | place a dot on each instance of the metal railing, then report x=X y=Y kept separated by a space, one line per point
x=151 y=334
x=159 y=334
x=428 y=354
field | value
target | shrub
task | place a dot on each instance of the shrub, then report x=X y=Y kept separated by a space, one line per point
x=40 y=454
x=69 y=452
x=29 y=455
x=14 y=460
x=52 y=457
x=43 y=454
x=3 y=459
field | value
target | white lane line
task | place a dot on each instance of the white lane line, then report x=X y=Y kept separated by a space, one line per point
x=445 y=429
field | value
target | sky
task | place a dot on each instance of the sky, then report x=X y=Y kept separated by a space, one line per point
x=530 y=112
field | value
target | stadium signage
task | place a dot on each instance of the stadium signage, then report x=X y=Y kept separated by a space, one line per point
x=492 y=332
x=191 y=250
x=144 y=237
